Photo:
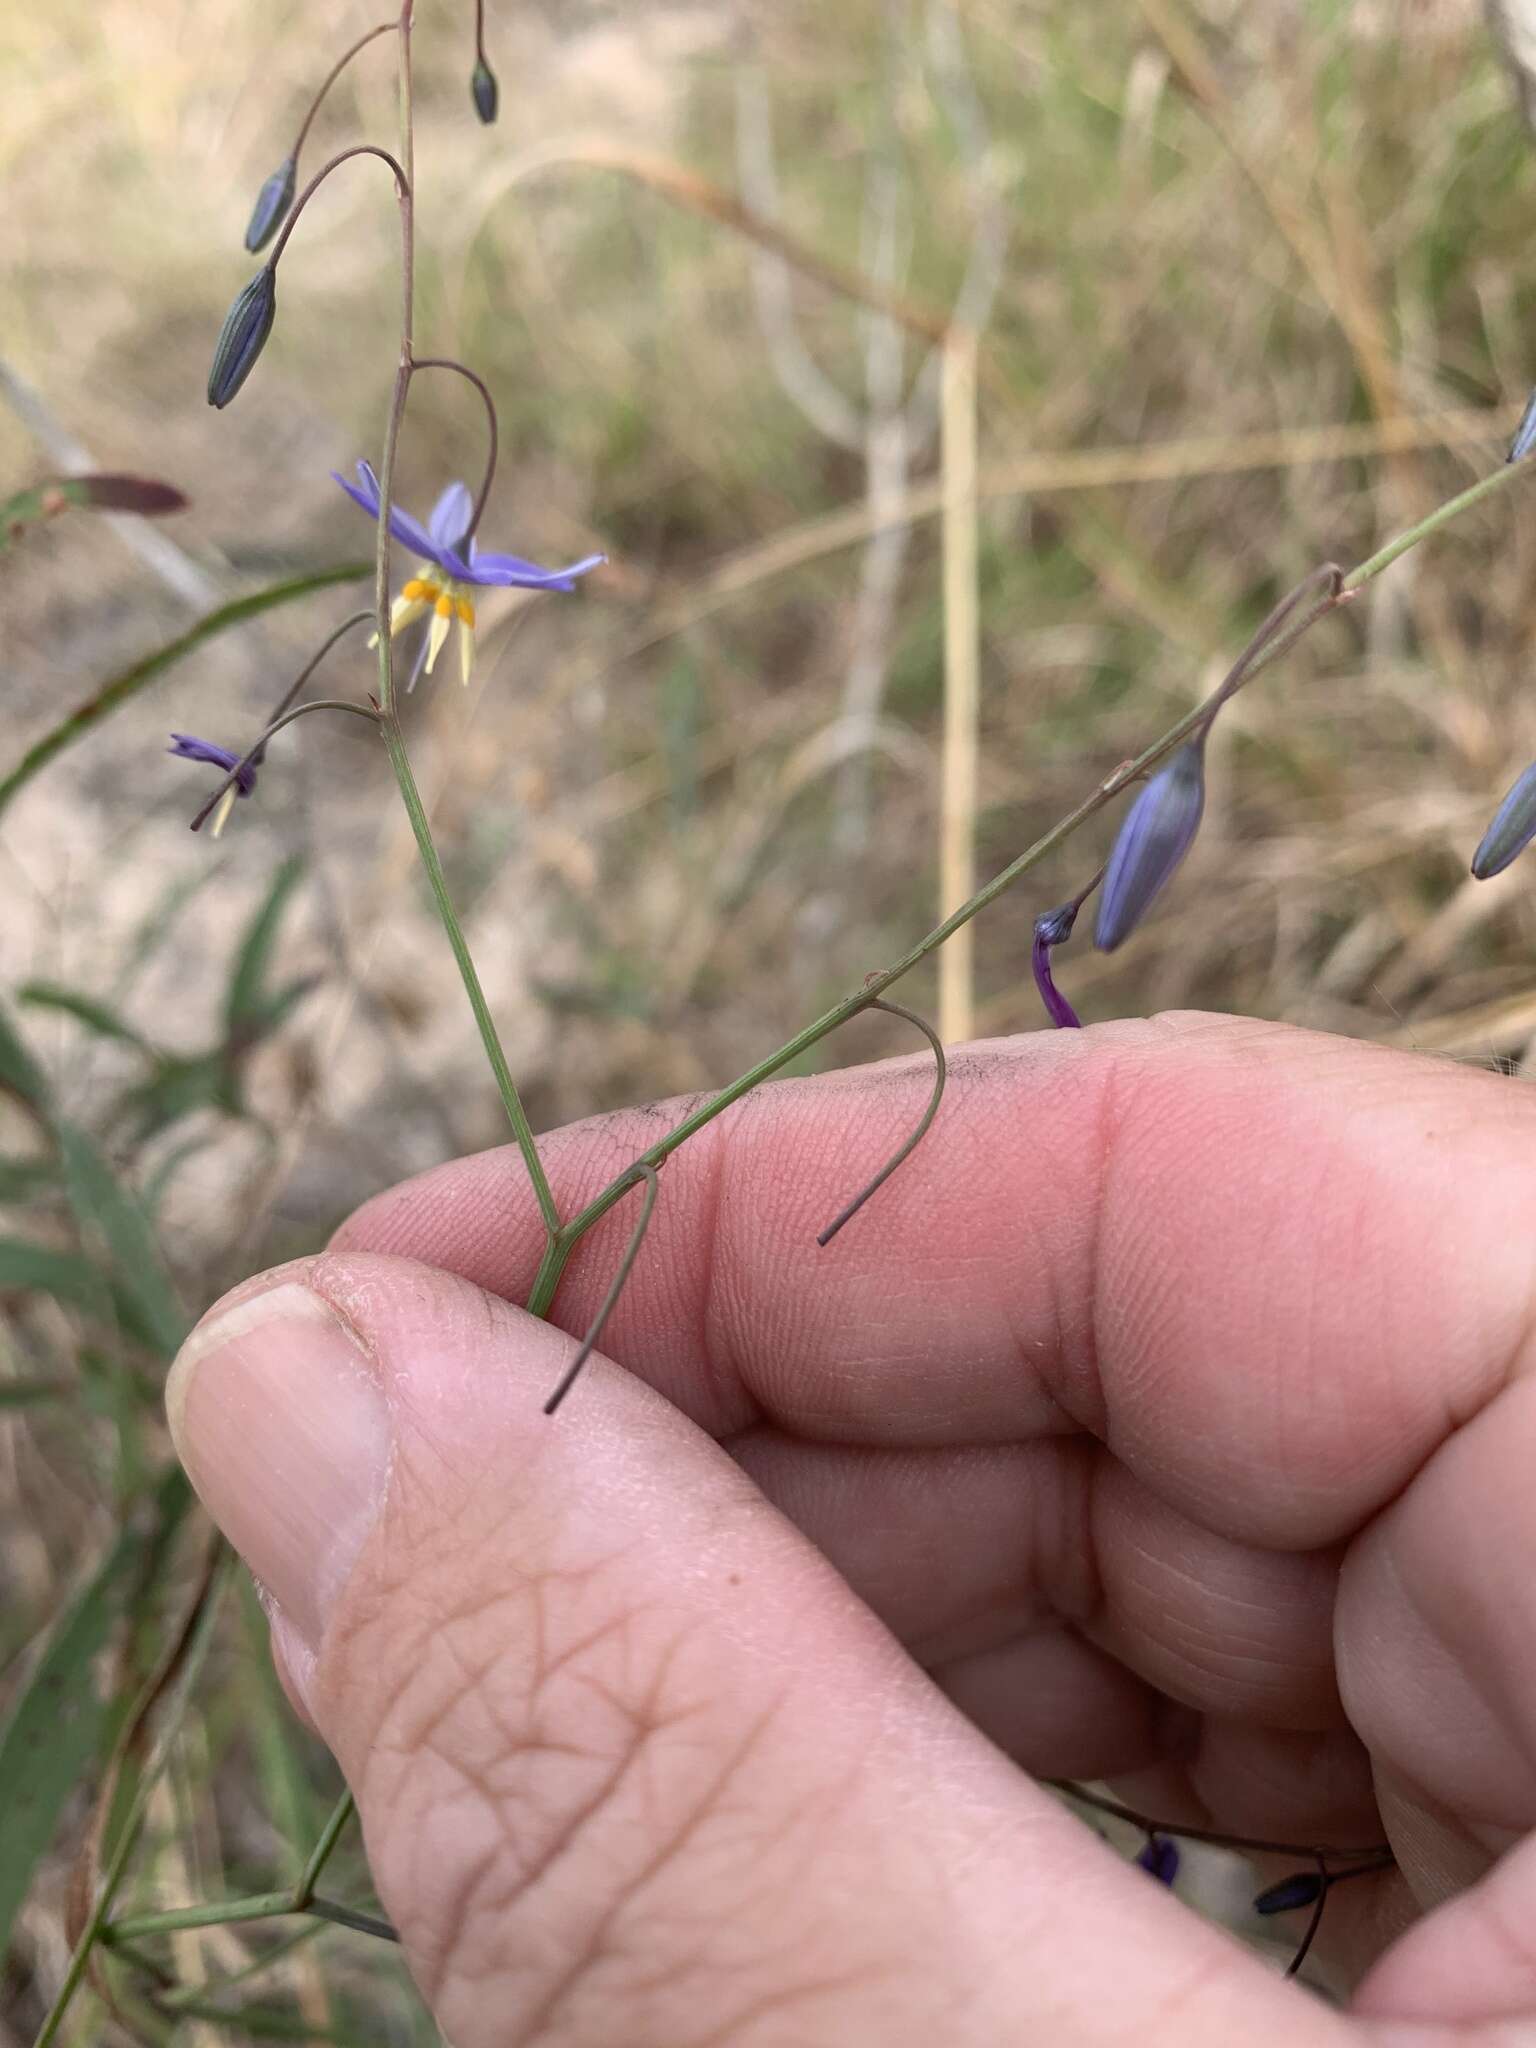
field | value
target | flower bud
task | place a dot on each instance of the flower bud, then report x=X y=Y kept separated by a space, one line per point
x=484 y=91
x=244 y=336
x=1160 y=1858
x=1158 y=831
x=1301 y=1889
x=1513 y=827
x=272 y=204
x=1525 y=433
x=1054 y=928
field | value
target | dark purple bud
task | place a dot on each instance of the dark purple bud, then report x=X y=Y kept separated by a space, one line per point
x=1158 y=831
x=483 y=88
x=1513 y=827
x=1160 y=1858
x=243 y=337
x=1304 y=1889
x=272 y=204
x=1525 y=433
x=192 y=749
x=1051 y=928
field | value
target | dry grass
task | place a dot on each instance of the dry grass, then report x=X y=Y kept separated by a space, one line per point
x=1257 y=242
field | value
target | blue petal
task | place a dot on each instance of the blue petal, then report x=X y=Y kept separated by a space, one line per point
x=408 y=531
x=510 y=570
x=450 y=516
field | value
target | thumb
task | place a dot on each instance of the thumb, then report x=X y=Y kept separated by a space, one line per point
x=633 y=1763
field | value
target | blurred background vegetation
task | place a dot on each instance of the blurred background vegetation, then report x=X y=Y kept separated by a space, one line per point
x=1253 y=291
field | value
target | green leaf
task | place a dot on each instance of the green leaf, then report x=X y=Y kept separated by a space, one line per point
x=38 y=1269
x=60 y=1724
x=19 y=1072
x=131 y=681
x=113 y=1220
x=245 y=1003
x=47 y=995
x=176 y=1089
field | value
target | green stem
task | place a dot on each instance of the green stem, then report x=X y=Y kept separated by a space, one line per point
x=228 y=1912
x=522 y=1130
x=320 y=1855
x=558 y=1251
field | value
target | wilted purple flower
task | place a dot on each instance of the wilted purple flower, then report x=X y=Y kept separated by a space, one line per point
x=1513 y=828
x=1052 y=927
x=1301 y=1889
x=1157 y=832
x=243 y=337
x=457 y=564
x=1160 y=1858
x=1525 y=433
x=192 y=749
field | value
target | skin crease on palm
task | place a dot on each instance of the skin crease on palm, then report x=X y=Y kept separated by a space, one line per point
x=1169 y=1419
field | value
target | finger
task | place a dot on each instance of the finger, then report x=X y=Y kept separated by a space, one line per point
x=1437 y=1649
x=1208 y=1242
x=633 y=1763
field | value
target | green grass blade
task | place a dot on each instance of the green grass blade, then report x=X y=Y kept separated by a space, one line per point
x=19 y=1072
x=113 y=1221
x=66 y=1276
x=27 y=1393
x=245 y=1001
x=95 y=1016
x=60 y=1725
x=132 y=680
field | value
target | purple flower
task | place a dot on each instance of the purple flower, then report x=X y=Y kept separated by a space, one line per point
x=1158 y=831
x=192 y=749
x=1160 y=1858
x=1525 y=433
x=457 y=564
x=1303 y=1888
x=1051 y=928
x=1513 y=828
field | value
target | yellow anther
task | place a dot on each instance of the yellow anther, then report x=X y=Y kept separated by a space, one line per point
x=466 y=612
x=444 y=605
x=417 y=591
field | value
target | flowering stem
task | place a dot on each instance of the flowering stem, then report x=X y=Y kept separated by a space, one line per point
x=560 y=1246
x=394 y=739
x=517 y=1117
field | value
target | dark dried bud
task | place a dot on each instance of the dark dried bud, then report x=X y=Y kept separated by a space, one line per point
x=1303 y=1889
x=483 y=89
x=272 y=204
x=1525 y=433
x=244 y=336
x=1160 y=1858
x=1158 y=831
x=1513 y=827
x=142 y=494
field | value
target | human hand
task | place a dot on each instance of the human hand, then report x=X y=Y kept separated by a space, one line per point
x=1168 y=1420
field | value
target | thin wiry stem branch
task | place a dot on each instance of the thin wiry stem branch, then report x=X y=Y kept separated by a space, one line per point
x=402 y=186
x=463 y=370
x=914 y=1138
x=384 y=28
x=637 y=1237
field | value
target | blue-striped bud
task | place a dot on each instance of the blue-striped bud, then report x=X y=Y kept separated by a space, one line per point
x=1158 y=831
x=1525 y=433
x=484 y=92
x=272 y=204
x=1303 y=1889
x=1160 y=1858
x=243 y=337
x=1513 y=828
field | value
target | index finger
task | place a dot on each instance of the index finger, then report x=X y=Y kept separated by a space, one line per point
x=1271 y=1270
